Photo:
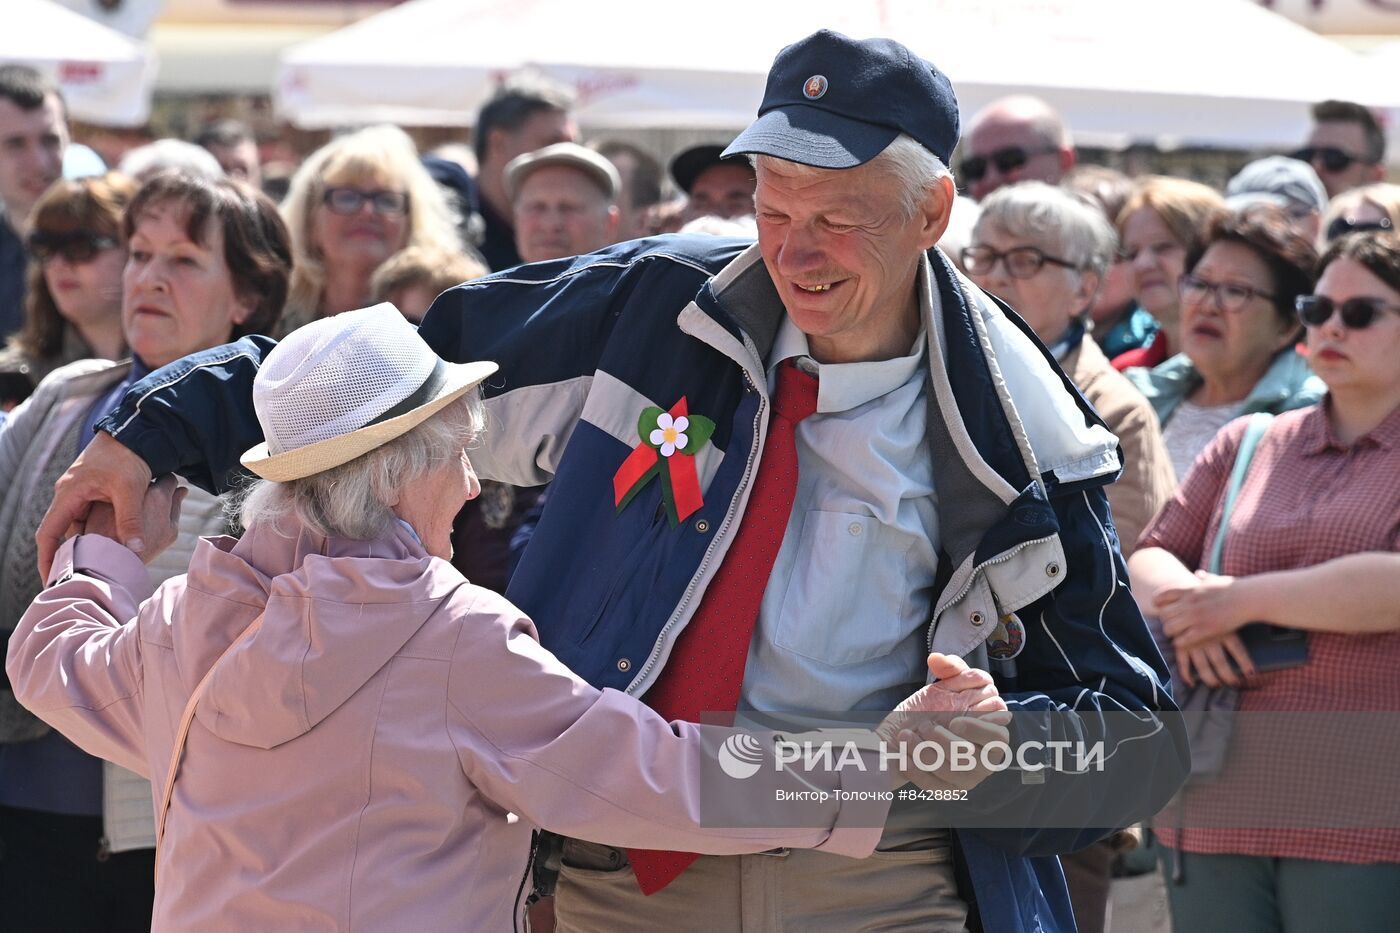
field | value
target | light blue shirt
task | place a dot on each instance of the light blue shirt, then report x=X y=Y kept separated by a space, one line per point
x=844 y=619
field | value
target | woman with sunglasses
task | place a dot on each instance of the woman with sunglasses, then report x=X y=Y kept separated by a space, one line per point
x=355 y=202
x=1311 y=545
x=1164 y=219
x=208 y=263
x=73 y=295
x=1236 y=334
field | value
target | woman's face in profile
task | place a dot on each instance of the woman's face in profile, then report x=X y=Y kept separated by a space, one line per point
x=431 y=503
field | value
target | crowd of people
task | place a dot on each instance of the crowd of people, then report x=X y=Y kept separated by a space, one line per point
x=928 y=395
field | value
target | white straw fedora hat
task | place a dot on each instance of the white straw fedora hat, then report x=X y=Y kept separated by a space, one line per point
x=344 y=385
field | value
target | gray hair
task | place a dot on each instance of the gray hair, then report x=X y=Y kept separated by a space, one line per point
x=1064 y=223
x=354 y=500
x=711 y=225
x=916 y=167
x=145 y=162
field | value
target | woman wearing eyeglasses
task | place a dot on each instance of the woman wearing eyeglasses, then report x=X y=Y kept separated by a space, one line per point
x=73 y=295
x=355 y=202
x=1164 y=219
x=207 y=262
x=1311 y=545
x=1044 y=252
x=1236 y=335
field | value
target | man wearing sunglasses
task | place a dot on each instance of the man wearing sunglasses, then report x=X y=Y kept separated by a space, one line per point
x=1013 y=139
x=33 y=135
x=1346 y=146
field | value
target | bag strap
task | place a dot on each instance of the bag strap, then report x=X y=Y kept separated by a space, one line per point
x=1253 y=433
x=182 y=733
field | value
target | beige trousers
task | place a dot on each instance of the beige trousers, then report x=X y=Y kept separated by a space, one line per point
x=796 y=891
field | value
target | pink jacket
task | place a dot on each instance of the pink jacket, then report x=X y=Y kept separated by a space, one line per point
x=358 y=763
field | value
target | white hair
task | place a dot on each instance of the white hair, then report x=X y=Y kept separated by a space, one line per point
x=145 y=162
x=1063 y=223
x=917 y=169
x=354 y=500
x=744 y=226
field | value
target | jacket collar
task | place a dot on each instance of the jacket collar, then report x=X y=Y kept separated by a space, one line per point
x=1286 y=377
x=844 y=386
x=1317 y=435
x=983 y=450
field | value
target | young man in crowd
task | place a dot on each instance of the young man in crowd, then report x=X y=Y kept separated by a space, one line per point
x=33 y=137
x=523 y=116
x=1346 y=146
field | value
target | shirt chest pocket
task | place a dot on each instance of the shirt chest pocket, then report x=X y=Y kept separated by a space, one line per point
x=847 y=598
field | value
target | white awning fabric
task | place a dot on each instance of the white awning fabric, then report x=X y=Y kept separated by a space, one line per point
x=106 y=77
x=1222 y=72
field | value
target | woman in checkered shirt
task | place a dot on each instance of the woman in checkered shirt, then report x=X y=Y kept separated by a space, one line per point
x=1299 y=832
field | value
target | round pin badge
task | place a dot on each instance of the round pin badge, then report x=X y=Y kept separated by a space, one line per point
x=814 y=87
x=1007 y=639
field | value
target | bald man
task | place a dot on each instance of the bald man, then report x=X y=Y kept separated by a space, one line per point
x=1015 y=139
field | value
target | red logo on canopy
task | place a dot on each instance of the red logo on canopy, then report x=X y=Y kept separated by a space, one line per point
x=79 y=72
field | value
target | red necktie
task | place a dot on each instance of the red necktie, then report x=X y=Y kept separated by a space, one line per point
x=706 y=667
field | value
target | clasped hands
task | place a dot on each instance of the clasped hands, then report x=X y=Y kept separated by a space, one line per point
x=1202 y=621
x=109 y=492
x=961 y=706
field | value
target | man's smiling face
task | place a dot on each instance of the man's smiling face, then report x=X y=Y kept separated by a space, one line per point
x=844 y=256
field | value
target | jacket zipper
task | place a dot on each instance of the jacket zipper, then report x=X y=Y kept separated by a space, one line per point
x=972 y=578
x=724 y=526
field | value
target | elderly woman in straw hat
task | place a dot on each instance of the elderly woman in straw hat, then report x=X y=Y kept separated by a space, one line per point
x=335 y=721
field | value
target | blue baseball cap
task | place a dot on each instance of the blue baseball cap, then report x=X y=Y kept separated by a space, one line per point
x=837 y=102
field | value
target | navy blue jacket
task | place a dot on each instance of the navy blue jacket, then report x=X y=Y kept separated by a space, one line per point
x=1019 y=463
x=13 y=261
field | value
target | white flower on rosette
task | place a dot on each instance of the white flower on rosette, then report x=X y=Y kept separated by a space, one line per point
x=669 y=433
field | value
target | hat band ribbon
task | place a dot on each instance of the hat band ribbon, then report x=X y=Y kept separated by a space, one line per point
x=421 y=396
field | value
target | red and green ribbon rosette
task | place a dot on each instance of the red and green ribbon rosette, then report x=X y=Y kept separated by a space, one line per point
x=669 y=442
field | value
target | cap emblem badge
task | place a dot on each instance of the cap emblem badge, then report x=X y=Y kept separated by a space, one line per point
x=814 y=87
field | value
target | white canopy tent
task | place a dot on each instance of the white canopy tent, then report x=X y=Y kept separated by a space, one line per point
x=1384 y=64
x=1224 y=72
x=105 y=77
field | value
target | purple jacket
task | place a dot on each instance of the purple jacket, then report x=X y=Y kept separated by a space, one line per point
x=356 y=764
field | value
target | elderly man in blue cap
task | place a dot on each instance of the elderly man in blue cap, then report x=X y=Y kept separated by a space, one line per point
x=805 y=474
